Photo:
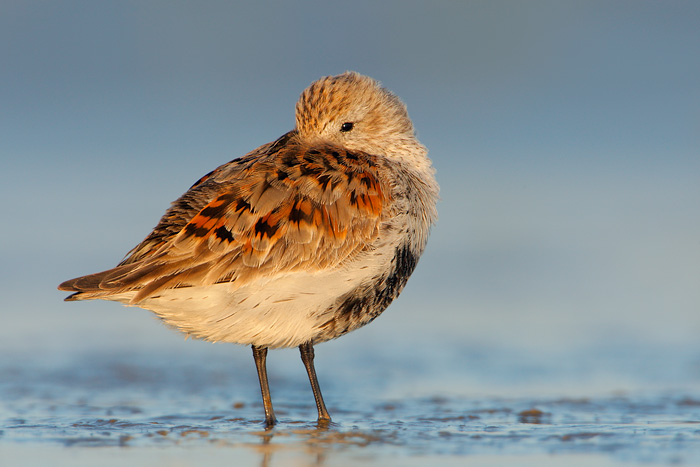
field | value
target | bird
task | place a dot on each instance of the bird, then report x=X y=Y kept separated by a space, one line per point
x=298 y=242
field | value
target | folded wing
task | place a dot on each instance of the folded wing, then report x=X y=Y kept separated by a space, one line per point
x=282 y=208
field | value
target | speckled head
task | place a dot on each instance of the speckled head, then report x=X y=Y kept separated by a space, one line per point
x=356 y=112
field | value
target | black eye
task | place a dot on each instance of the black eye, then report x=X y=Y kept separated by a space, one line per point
x=347 y=126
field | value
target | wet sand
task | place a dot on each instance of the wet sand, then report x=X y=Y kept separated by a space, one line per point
x=116 y=409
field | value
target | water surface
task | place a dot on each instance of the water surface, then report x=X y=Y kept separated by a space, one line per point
x=490 y=407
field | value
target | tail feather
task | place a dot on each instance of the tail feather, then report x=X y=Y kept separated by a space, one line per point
x=98 y=285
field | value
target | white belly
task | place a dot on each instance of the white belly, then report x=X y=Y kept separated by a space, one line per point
x=285 y=311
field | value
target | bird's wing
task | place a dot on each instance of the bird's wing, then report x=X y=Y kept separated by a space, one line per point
x=283 y=208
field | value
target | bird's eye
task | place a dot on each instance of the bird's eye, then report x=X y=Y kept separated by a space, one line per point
x=347 y=126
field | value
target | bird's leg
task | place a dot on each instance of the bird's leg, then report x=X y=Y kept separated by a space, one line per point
x=307 y=356
x=260 y=356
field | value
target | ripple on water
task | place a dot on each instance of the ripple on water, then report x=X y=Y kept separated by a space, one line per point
x=116 y=407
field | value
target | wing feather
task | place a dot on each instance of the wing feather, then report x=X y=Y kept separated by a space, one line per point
x=283 y=207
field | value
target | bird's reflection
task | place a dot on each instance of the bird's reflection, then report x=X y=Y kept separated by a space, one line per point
x=316 y=441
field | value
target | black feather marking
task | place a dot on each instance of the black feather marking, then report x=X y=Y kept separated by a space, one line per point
x=214 y=212
x=264 y=229
x=325 y=180
x=365 y=303
x=223 y=233
x=192 y=229
x=297 y=215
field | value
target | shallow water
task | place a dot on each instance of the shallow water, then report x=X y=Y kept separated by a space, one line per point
x=185 y=408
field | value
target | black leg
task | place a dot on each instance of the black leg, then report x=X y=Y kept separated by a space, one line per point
x=260 y=356
x=307 y=356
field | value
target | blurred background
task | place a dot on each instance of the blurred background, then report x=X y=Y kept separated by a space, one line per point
x=565 y=135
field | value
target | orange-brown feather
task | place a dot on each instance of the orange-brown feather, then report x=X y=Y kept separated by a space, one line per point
x=283 y=208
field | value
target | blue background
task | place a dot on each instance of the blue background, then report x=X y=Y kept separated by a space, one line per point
x=565 y=136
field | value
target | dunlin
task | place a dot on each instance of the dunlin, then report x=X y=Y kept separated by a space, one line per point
x=299 y=241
